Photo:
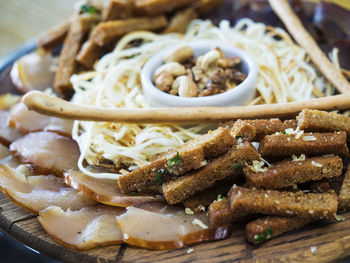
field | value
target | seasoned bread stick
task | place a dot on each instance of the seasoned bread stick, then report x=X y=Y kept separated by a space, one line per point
x=269 y=227
x=220 y=212
x=191 y=155
x=288 y=173
x=110 y=31
x=67 y=65
x=263 y=127
x=54 y=36
x=308 y=143
x=315 y=120
x=178 y=190
x=244 y=201
x=344 y=195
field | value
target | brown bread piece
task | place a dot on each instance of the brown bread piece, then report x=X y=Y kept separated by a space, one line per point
x=54 y=36
x=264 y=127
x=67 y=65
x=178 y=190
x=243 y=130
x=287 y=173
x=110 y=31
x=315 y=120
x=220 y=212
x=321 y=186
x=89 y=53
x=192 y=154
x=204 y=7
x=287 y=145
x=344 y=196
x=244 y=201
x=265 y=228
x=119 y=9
x=157 y=7
x=180 y=21
x=201 y=200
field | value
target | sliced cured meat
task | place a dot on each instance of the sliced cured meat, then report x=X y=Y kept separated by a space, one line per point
x=47 y=152
x=159 y=226
x=37 y=192
x=33 y=72
x=106 y=191
x=27 y=121
x=7 y=133
x=83 y=229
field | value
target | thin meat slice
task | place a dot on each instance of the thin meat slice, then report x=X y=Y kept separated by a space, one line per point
x=83 y=229
x=33 y=72
x=244 y=201
x=7 y=134
x=288 y=173
x=304 y=143
x=36 y=192
x=159 y=226
x=106 y=191
x=27 y=121
x=265 y=228
x=47 y=152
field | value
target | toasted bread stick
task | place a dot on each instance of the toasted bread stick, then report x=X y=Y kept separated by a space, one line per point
x=315 y=120
x=89 y=53
x=192 y=155
x=344 y=196
x=307 y=143
x=287 y=173
x=220 y=212
x=265 y=228
x=157 y=7
x=110 y=31
x=204 y=7
x=180 y=21
x=229 y=164
x=54 y=36
x=67 y=64
x=201 y=200
x=244 y=201
x=262 y=127
x=119 y=9
x=300 y=34
x=243 y=129
x=321 y=186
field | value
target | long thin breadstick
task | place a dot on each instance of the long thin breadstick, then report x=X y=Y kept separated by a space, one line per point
x=296 y=28
x=53 y=106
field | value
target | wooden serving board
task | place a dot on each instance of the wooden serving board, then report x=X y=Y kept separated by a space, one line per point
x=331 y=240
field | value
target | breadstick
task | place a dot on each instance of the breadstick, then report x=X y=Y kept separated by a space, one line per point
x=305 y=40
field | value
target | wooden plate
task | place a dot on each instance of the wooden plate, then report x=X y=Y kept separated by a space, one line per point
x=332 y=241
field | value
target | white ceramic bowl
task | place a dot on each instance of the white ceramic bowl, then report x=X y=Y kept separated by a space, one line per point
x=240 y=95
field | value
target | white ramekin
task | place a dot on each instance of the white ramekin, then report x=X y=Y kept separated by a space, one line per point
x=240 y=95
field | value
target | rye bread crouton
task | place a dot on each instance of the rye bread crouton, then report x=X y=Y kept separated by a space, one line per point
x=220 y=212
x=118 y=9
x=315 y=120
x=157 y=7
x=67 y=65
x=191 y=155
x=288 y=173
x=344 y=196
x=306 y=143
x=180 y=21
x=107 y=32
x=244 y=130
x=229 y=164
x=244 y=201
x=263 y=127
x=89 y=54
x=265 y=228
x=54 y=36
